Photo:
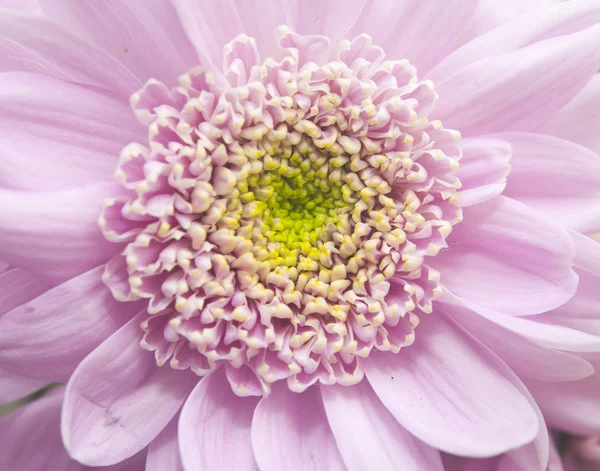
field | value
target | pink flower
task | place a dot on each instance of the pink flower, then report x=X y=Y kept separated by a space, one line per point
x=328 y=275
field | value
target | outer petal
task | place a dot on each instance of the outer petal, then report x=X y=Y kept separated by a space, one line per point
x=47 y=338
x=33 y=44
x=578 y=121
x=30 y=438
x=118 y=400
x=452 y=393
x=558 y=177
x=483 y=169
x=521 y=90
x=163 y=452
x=17 y=287
x=524 y=356
x=541 y=22
x=14 y=386
x=292 y=428
x=422 y=32
x=369 y=437
x=211 y=413
x=145 y=36
x=67 y=243
x=510 y=258
x=59 y=135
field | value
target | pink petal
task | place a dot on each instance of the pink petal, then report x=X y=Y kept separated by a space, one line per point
x=483 y=169
x=453 y=393
x=520 y=90
x=33 y=44
x=524 y=356
x=48 y=125
x=510 y=258
x=146 y=37
x=47 y=338
x=537 y=328
x=556 y=176
x=572 y=406
x=18 y=5
x=369 y=437
x=578 y=120
x=292 y=428
x=118 y=400
x=422 y=32
x=539 y=23
x=17 y=287
x=14 y=386
x=211 y=413
x=69 y=241
x=30 y=438
x=163 y=452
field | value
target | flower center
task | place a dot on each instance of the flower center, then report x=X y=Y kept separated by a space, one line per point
x=279 y=223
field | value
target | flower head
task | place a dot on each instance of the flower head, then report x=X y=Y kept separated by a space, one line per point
x=292 y=269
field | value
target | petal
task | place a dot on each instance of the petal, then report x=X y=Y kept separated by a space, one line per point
x=369 y=437
x=422 y=32
x=558 y=177
x=14 y=386
x=19 y=5
x=578 y=120
x=211 y=412
x=573 y=406
x=17 y=287
x=163 y=452
x=452 y=393
x=483 y=169
x=536 y=25
x=59 y=135
x=520 y=90
x=538 y=328
x=68 y=242
x=47 y=337
x=118 y=400
x=33 y=44
x=525 y=259
x=292 y=428
x=146 y=37
x=522 y=355
x=30 y=438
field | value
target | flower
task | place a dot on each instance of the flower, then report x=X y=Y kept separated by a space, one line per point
x=300 y=262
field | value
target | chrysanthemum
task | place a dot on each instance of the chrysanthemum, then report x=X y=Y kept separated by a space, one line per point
x=302 y=235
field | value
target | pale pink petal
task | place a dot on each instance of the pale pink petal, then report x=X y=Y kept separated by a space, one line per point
x=331 y=19
x=118 y=400
x=510 y=258
x=211 y=413
x=68 y=242
x=59 y=135
x=524 y=356
x=145 y=36
x=536 y=25
x=14 y=386
x=422 y=32
x=556 y=176
x=369 y=437
x=554 y=461
x=47 y=338
x=483 y=169
x=537 y=328
x=19 y=5
x=578 y=120
x=453 y=393
x=520 y=90
x=572 y=406
x=30 y=437
x=163 y=452
x=17 y=287
x=34 y=44
x=292 y=428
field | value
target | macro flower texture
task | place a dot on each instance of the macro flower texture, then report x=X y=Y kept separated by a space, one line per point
x=300 y=235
